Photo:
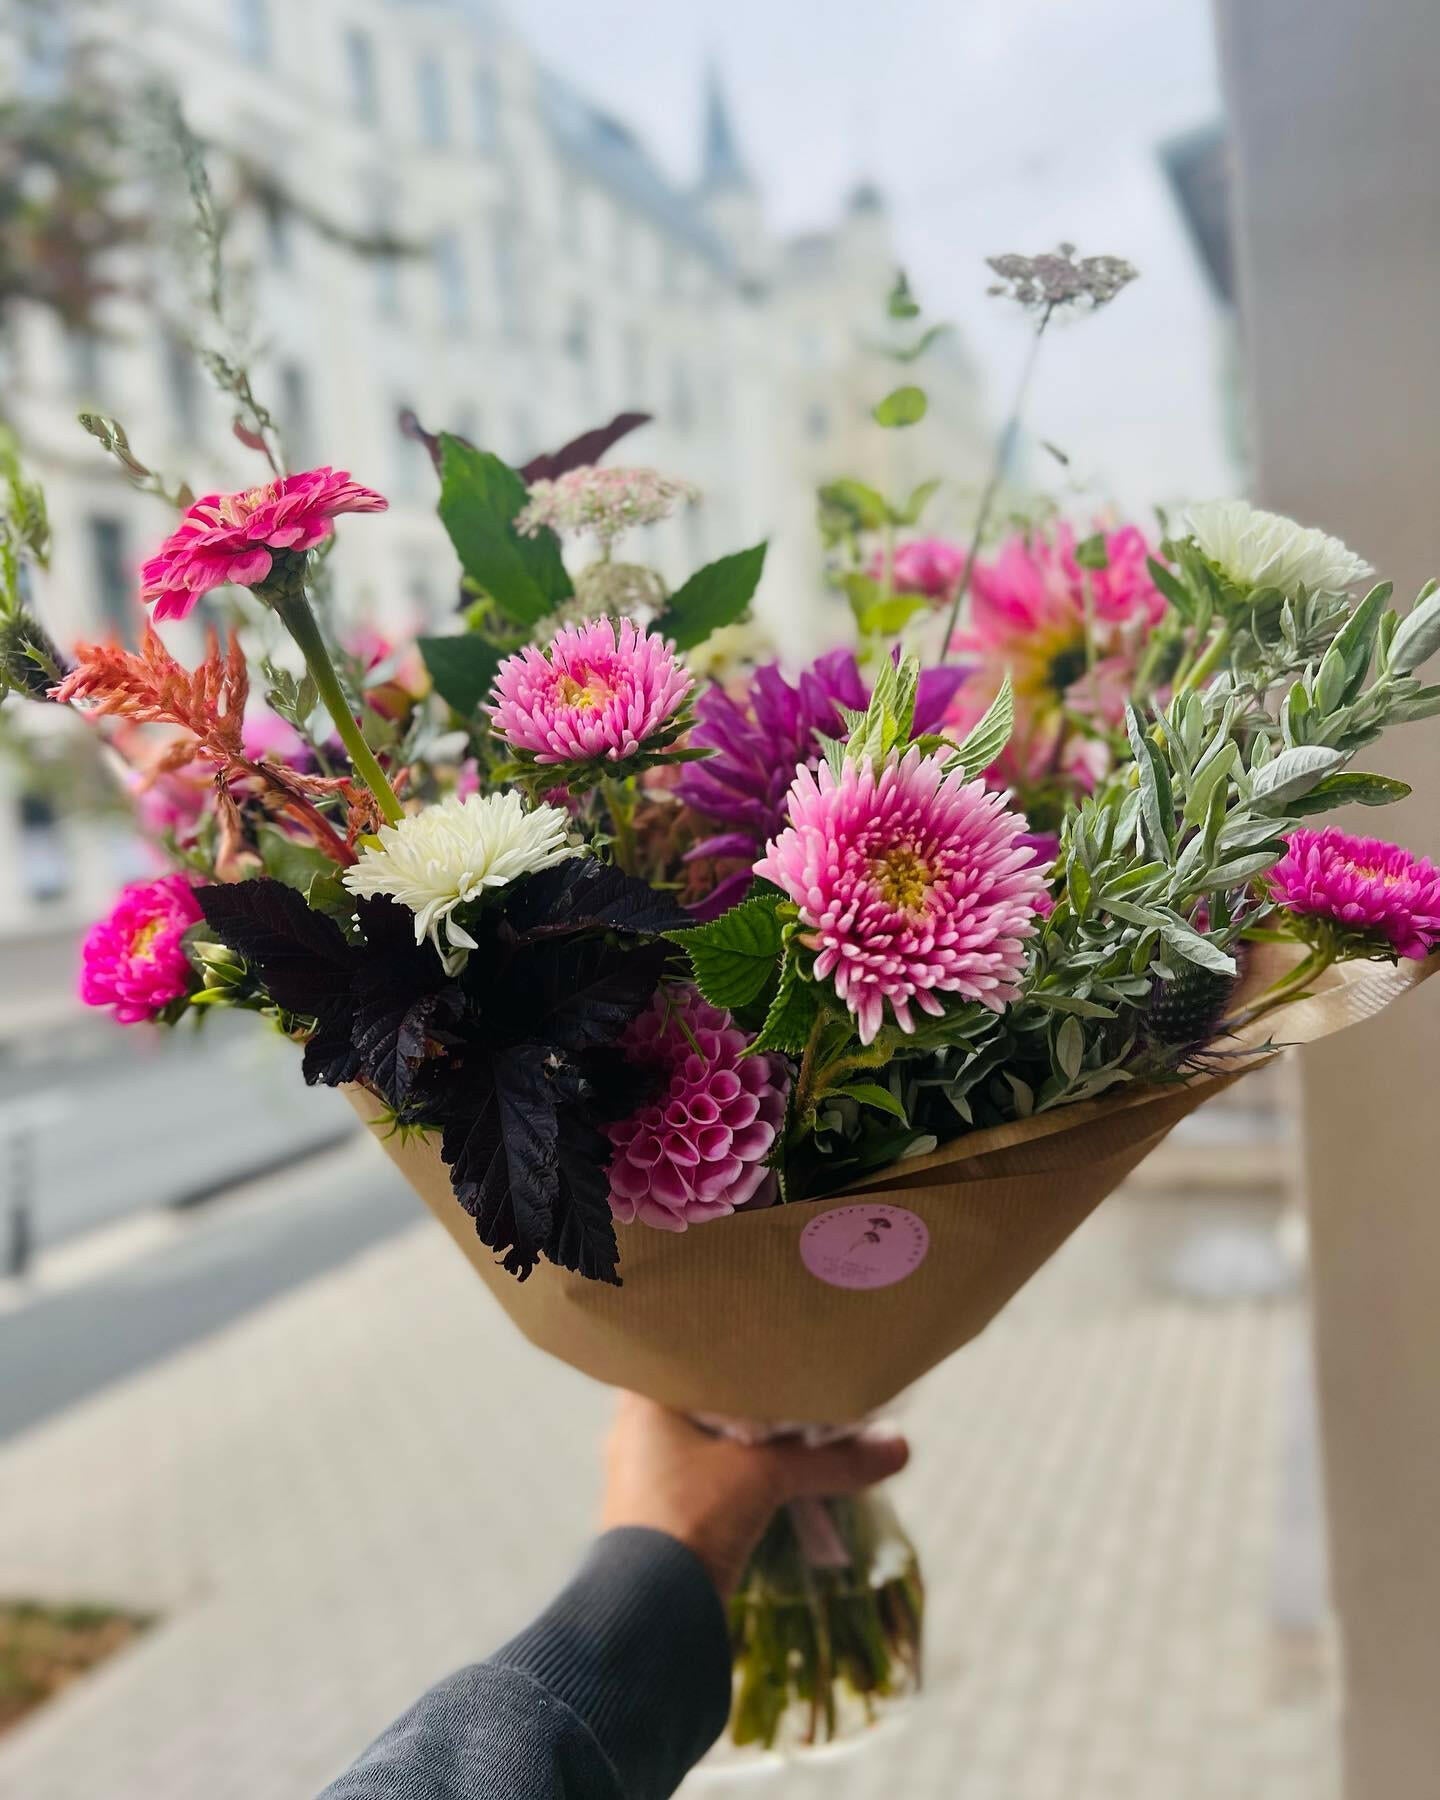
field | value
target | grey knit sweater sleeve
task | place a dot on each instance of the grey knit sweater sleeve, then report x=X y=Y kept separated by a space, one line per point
x=614 y=1692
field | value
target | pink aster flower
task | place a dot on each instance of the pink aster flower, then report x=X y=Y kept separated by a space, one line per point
x=911 y=884
x=1375 y=891
x=133 y=961
x=697 y=1150
x=232 y=537
x=600 y=690
x=1028 y=614
x=929 y=566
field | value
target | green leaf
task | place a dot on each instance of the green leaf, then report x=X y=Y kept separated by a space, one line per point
x=870 y=1093
x=1354 y=643
x=1091 y=552
x=1351 y=788
x=735 y=957
x=1208 y=777
x=297 y=865
x=1417 y=637
x=980 y=747
x=886 y=722
x=462 y=669
x=1186 y=942
x=883 y=618
x=901 y=303
x=865 y=507
x=479 y=498
x=792 y=1014
x=1172 y=588
x=904 y=406
x=1293 y=773
x=1156 y=801
x=1070 y=1047
x=713 y=596
x=920 y=498
x=909 y=353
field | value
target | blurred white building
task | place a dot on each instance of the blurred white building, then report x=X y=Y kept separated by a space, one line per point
x=554 y=276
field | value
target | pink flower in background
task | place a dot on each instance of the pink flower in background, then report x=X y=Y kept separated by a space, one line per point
x=1028 y=616
x=911 y=884
x=928 y=566
x=1375 y=890
x=266 y=734
x=698 y=1149
x=232 y=537
x=133 y=961
x=599 y=691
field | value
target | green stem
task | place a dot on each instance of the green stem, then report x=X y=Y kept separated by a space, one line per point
x=1288 y=987
x=622 y=827
x=1205 y=667
x=294 y=612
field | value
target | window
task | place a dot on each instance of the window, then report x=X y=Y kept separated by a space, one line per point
x=386 y=262
x=507 y=276
x=275 y=216
x=109 y=565
x=682 y=399
x=295 y=419
x=360 y=67
x=635 y=373
x=577 y=333
x=412 y=459
x=180 y=379
x=434 y=103
x=522 y=428
x=572 y=217
x=485 y=104
x=85 y=354
x=450 y=272
x=252 y=30
x=45 y=871
x=817 y=421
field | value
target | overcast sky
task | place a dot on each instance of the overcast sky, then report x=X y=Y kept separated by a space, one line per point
x=990 y=125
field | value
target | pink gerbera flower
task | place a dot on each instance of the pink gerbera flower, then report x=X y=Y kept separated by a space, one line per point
x=134 y=961
x=600 y=690
x=1376 y=891
x=1028 y=616
x=232 y=537
x=911 y=884
x=929 y=566
x=697 y=1150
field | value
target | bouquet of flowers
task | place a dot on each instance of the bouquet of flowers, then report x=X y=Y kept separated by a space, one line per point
x=757 y=1041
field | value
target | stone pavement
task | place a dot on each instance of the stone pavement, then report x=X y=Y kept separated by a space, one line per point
x=373 y=1479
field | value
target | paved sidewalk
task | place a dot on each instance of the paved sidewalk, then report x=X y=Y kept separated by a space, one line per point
x=372 y=1480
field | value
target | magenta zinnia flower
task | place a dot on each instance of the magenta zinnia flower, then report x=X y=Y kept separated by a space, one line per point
x=232 y=537
x=600 y=690
x=757 y=744
x=1376 y=891
x=911 y=884
x=929 y=566
x=697 y=1150
x=133 y=961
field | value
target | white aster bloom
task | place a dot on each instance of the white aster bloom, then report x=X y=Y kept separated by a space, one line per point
x=1255 y=549
x=440 y=859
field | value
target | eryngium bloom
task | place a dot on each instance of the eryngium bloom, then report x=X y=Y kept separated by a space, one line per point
x=598 y=691
x=1374 y=892
x=134 y=961
x=697 y=1150
x=911 y=884
x=603 y=502
x=453 y=852
x=1254 y=549
x=232 y=537
x=757 y=744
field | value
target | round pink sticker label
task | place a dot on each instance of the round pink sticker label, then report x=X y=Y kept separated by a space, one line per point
x=864 y=1246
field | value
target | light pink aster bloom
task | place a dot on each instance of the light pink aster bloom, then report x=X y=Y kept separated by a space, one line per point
x=911 y=884
x=604 y=502
x=697 y=1150
x=232 y=537
x=1028 y=611
x=1372 y=889
x=929 y=566
x=134 y=961
x=599 y=690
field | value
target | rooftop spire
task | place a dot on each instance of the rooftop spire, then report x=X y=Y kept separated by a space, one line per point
x=721 y=167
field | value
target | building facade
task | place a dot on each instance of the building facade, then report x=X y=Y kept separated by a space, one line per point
x=543 y=274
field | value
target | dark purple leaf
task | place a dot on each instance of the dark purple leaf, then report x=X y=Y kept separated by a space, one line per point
x=580 y=452
x=500 y=1138
x=583 y=1236
x=300 y=956
x=585 y=894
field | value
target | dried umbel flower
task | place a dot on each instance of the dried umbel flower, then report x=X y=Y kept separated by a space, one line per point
x=602 y=502
x=1057 y=279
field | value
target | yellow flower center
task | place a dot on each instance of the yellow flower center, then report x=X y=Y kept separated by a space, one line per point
x=592 y=692
x=144 y=938
x=902 y=877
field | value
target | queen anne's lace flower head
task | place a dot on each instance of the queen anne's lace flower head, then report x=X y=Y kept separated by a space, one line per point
x=600 y=691
x=1367 y=888
x=233 y=537
x=911 y=884
x=696 y=1150
x=603 y=502
x=453 y=852
x=134 y=960
x=1252 y=549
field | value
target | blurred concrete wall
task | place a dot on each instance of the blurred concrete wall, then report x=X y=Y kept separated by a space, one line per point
x=1338 y=144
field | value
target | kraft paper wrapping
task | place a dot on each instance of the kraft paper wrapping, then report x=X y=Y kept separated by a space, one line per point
x=727 y=1319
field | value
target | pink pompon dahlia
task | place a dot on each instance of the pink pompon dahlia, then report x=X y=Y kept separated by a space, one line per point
x=929 y=566
x=134 y=961
x=697 y=1150
x=911 y=884
x=1375 y=892
x=600 y=690
x=232 y=537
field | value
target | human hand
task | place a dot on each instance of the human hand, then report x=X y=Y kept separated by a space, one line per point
x=717 y=1497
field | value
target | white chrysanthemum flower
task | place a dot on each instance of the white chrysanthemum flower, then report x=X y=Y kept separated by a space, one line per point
x=439 y=859
x=1254 y=549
